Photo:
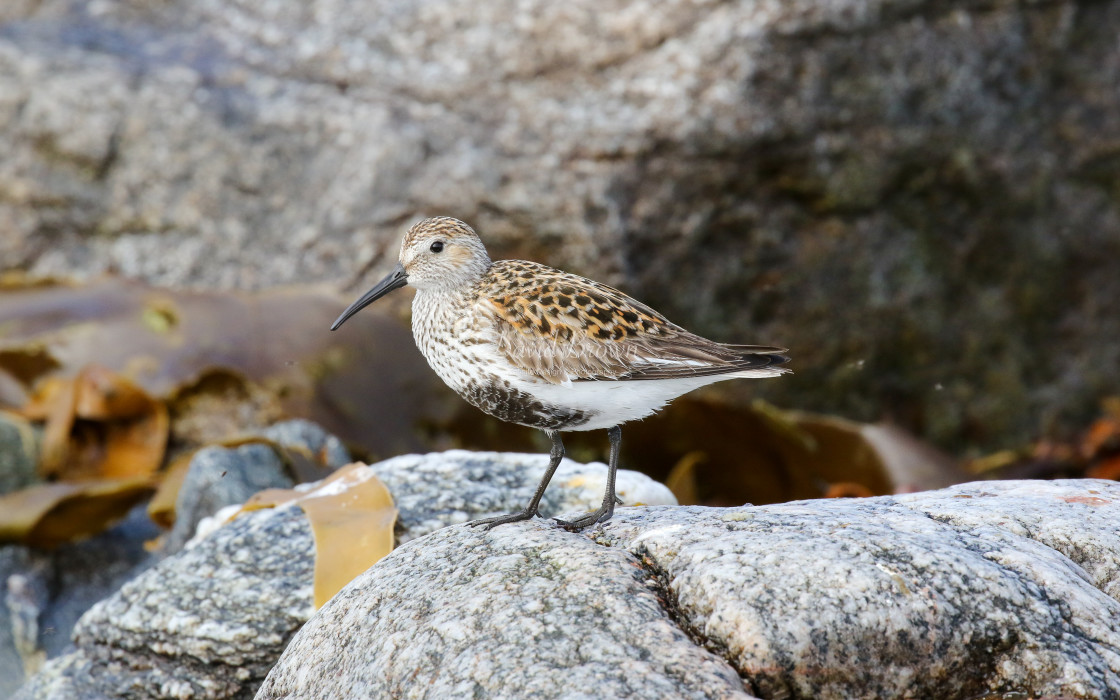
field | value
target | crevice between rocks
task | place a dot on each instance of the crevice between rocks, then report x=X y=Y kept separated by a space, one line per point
x=1069 y=626
x=657 y=580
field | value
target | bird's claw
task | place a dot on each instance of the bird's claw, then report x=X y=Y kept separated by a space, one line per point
x=491 y=523
x=600 y=516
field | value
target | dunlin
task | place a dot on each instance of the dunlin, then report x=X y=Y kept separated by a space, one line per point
x=536 y=346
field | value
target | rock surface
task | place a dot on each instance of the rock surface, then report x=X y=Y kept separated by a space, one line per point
x=914 y=195
x=202 y=624
x=210 y=621
x=46 y=592
x=222 y=476
x=456 y=486
x=514 y=612
x=19 y=456
x=976 y=590
x=22 y=590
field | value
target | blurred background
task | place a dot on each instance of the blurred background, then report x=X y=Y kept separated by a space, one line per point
x=920 y=199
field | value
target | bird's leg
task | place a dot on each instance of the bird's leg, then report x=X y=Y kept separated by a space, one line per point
x=555 y=455
x=609 y=498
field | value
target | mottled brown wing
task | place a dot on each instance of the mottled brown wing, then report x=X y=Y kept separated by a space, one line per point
x=560 y=327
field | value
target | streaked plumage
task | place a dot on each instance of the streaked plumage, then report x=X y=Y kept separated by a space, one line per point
x=533 y=345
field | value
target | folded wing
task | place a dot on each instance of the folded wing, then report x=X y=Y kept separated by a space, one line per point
x=562 y=327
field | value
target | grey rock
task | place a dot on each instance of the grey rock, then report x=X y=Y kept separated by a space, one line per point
x=46 y=592
x=528 y=611
x=311 y=438
x=1086 y=532
x=202 y=623
x=53 y=590
x=222 y=476
x=209 y=621
x=899 y=190
x=19 y=563
x=964 y=592
x=22 y=583
x=86 y=571
x=19 y=454
x=795 y=592
x=434 y=491
x=25 y=598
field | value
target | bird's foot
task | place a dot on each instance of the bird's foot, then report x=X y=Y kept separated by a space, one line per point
x=617 y=501
x=491 y=523
x=600 y=516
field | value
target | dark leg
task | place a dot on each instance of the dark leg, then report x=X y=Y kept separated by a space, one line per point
x=555 y=455
x=609 y=498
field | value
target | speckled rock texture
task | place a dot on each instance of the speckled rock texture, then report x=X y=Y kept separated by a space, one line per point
x=972 y=591
x=514 y=612
x=222 y=476
x=916 y=195
x=43 y=594
x=434 y=491
x=210 y=621
x=200 y=624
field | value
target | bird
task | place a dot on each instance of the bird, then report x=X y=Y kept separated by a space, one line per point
x=536 y=346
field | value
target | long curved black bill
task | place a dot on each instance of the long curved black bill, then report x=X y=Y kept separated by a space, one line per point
x=394 y=280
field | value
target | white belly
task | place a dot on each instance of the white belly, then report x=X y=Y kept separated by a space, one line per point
x=617 y=402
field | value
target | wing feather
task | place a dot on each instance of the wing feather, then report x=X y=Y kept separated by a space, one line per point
x=562 y=327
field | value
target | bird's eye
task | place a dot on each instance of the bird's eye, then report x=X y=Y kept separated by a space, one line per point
x=437 y=247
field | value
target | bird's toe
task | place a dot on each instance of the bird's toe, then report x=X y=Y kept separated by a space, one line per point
x=600 y=516
x=491 y=523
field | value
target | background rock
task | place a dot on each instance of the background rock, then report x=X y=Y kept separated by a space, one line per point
x=16 y=607
x=223 y=476
x=920 y=198
x=210 y=621
x=220 y=476
x=19 y=454
x=972 y=591
x=46 y=592
x=200 y=624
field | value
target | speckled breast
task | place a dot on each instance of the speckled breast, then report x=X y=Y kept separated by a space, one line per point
x=458 y=347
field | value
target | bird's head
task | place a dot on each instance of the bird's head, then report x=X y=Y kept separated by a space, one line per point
x=437 y=253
